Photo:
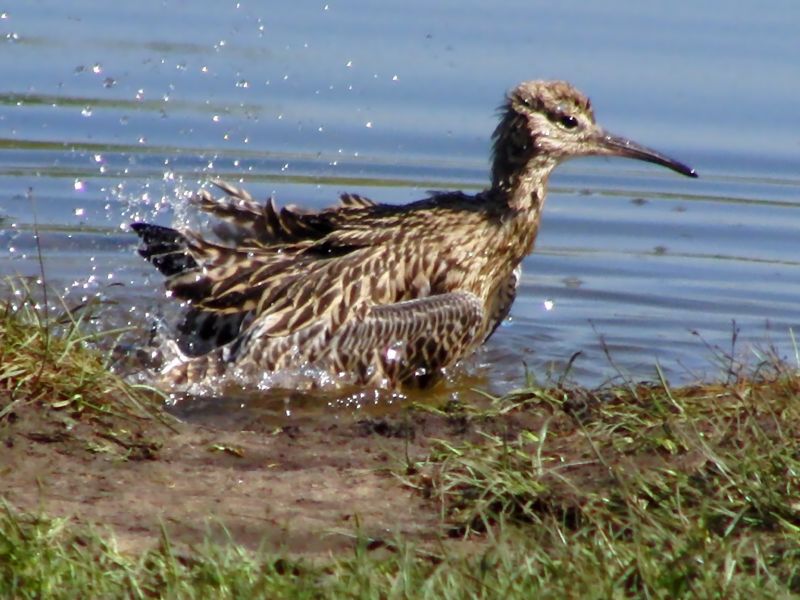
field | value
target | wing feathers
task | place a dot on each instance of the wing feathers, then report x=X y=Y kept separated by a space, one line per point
x=411 y=340
x=166 y=248
x=289 y=285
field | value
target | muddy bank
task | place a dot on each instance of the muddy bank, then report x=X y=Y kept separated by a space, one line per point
x=307 y=488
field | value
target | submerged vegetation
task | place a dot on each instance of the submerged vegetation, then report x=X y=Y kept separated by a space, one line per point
x=636 y=491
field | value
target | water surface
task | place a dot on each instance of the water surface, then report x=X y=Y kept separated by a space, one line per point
x=115 y=112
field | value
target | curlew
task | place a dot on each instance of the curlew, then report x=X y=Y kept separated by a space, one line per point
x=381 y=295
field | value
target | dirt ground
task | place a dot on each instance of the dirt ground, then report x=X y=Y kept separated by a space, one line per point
x=305 y=489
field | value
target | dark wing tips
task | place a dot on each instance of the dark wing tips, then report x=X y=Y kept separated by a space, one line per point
x=156 y=234
x=164 y=247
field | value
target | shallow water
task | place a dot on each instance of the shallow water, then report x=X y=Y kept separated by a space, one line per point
x=114 y=113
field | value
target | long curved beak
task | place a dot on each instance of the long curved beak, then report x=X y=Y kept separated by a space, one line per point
x=620 y=146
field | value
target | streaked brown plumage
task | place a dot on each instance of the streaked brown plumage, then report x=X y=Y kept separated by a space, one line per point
x=386 y=295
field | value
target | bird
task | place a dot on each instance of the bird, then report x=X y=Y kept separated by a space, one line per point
x=372 y=294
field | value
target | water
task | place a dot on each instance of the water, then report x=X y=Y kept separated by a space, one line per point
x=112 y=113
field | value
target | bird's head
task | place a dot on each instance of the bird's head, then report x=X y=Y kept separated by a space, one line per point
x=546 y=122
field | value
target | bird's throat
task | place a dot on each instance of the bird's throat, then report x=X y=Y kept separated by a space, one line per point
x=527 y=192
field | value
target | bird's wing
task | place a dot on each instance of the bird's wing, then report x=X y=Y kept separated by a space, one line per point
x=248 y=223
x=411 y=340
x=260 y=244
x=291 y=285
x=336 y=263
x=401 y=343
x=244 y=221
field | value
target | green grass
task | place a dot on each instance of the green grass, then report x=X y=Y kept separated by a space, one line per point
x=42 y=558
x=647 y=491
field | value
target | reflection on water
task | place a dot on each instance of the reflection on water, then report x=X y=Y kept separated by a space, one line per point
x=110 y=115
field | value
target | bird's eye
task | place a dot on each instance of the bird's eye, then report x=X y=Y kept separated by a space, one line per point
x=568 y=121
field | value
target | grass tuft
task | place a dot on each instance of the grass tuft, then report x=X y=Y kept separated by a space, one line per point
x=51 y=367
x=645 y=490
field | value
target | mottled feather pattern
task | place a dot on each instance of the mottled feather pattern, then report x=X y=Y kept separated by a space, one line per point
x=404 y=342
x=380 y=294
x=314 y=272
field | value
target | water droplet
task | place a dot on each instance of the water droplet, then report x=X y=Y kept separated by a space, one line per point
x=549 y=304
x=109 y=82
x=79 y=212
x=243 y=83
x=97 y=68
x=215 y=118
x=369 y=125
x=87 y=111
x=349 y=63
x=395 y=77
x=78 y=185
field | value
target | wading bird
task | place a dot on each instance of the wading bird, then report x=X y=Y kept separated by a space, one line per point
x=380 y=295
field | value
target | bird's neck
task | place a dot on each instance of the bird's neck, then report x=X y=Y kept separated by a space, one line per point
x=523 y=190
x=519 y=167
x=520 y=194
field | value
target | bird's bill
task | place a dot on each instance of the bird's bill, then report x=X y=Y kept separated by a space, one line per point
x=620 y=146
